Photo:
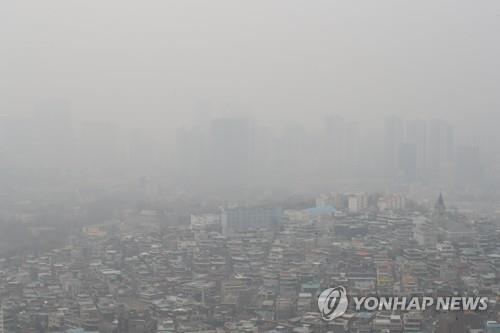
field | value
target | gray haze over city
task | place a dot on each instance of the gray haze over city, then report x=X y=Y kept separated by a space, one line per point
x=164 y=70
x=121 y=120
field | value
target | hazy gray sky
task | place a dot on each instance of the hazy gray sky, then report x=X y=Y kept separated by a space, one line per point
x=145 y=61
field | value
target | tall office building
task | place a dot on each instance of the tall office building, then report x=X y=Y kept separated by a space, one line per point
x=394 y=138
x=266 y=157
x=335 y=146
x=190 y=156
x=440 y=150
x=407 y=162
x=237 y=219
x=341 y=148
x=232 y=145
x=296 y=151
x=416 y=134
x=352 y=147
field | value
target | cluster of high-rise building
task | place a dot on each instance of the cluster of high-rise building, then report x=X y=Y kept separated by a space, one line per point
x=49 y=148
x=241 y=153
x=228 y=155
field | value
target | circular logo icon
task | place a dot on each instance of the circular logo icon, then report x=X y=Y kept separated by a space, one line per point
x=332 y=303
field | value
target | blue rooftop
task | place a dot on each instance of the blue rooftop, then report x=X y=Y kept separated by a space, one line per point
x=322 y=210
